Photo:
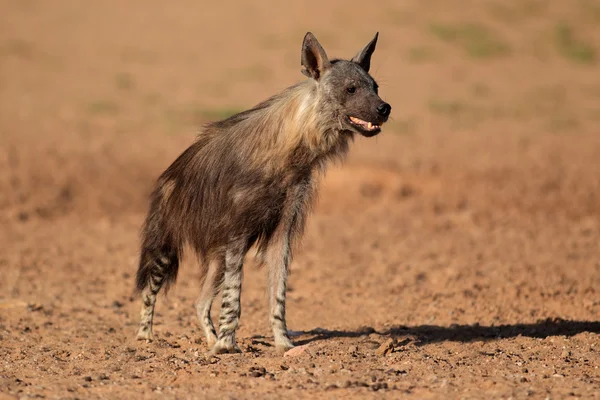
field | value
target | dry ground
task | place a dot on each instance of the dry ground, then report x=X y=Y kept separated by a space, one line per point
x=456 y=255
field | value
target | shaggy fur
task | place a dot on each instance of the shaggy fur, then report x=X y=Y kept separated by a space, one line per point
x=250 y=180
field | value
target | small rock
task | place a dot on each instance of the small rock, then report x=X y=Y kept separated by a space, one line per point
x=257 y=372
x=34 y=307
x=372 y=344
x=377 y=386
x=386 y=348
x=352 y=349
x=297 y=351
x=396 y=372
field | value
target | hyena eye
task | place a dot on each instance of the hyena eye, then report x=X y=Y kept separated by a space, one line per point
x=351 y=89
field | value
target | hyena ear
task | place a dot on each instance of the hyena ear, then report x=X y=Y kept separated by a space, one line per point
x=314 y=60
x=363 y=58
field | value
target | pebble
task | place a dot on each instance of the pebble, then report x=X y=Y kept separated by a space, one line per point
x=385 y=348
x=297 y=351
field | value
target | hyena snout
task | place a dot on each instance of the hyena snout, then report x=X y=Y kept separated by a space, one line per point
x=384 y=110
x=376 y=113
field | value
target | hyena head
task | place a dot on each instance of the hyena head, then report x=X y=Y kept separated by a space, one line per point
x=345 y=89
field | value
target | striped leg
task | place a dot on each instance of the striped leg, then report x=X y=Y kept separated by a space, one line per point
x=230 y=306
x=278 y=264
x=210 y=288
x=279 y=257
x=156 y=268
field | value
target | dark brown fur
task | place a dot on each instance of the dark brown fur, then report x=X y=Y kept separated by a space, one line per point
x=250 y=179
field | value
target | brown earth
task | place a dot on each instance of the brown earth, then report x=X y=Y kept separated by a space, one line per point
x=456 y=255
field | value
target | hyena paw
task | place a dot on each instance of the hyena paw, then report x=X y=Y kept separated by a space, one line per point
x=283 y=344
x=145 y=334
x=211 y=340
x=225 y=348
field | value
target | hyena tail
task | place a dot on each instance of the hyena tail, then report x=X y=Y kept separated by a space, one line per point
x=159 y=262
x=159 y=258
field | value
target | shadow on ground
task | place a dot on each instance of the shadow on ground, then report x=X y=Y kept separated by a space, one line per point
x=426 y=334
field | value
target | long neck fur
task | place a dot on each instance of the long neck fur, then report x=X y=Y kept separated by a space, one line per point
x=293 y=129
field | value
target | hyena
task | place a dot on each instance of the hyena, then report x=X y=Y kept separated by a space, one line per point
x=250 y=180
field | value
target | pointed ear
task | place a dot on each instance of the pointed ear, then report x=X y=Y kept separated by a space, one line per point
x=314 y=59
x=363 y=58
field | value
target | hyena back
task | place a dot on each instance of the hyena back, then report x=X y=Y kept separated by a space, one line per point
x=250 y=180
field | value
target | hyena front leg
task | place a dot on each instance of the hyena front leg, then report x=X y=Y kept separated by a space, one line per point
x=278 y=259
x=210 y=288
x=230 y=306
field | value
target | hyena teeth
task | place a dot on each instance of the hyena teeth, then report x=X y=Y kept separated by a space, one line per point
x=366 y=125
x=223 y=202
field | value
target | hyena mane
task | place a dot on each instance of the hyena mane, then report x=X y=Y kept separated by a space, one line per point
x=234 y=179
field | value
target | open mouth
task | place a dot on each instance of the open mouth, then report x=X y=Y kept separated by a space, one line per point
x=365 y=127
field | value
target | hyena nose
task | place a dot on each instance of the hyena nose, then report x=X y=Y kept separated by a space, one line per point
x=384 y=109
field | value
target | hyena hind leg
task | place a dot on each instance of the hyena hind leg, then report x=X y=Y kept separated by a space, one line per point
x=210 y=288
x=156 y=268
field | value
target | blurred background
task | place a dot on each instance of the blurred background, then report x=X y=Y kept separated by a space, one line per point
x=479 y=202
x=97 y=99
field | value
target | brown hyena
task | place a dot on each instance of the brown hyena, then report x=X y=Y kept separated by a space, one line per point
x=249 y=180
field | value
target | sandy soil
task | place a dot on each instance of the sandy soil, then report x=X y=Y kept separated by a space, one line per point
x=456 y=255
